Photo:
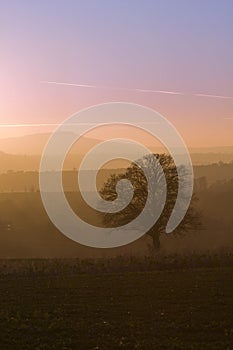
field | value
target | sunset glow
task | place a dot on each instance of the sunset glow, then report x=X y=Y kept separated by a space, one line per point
x=183 y=70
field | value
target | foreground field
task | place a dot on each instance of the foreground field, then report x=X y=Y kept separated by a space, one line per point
x=179 y=309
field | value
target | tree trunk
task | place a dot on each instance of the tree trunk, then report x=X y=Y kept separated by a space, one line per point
x=156 y=242
x=153 y=233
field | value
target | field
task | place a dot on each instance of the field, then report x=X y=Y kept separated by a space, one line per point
x=181 y=308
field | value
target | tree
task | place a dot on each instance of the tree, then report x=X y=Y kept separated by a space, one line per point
x=136 y=176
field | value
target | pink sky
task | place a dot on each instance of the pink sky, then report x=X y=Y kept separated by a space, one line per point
x=172 y=47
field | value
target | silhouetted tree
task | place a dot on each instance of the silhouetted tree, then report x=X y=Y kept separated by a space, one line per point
x=136 y=176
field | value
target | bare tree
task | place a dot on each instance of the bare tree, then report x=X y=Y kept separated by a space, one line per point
x=136 y=176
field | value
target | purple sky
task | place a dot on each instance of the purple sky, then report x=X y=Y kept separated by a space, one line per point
x=166 y=45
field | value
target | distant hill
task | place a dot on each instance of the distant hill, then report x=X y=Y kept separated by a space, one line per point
x=18 y=162
x=24 y=153
x=210 y=158
x=212 y=150
x=34 y=144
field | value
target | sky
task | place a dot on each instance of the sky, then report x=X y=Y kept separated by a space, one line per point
x=120 y=47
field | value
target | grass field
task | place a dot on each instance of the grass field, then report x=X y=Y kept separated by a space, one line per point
x=176 y=309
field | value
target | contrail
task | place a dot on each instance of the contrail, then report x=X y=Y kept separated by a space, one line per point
x=69 y=84
x=52 y=124
x=214 y=96
x=111 y=88
x=25 y=125
x=138 y=90
x=38 y=125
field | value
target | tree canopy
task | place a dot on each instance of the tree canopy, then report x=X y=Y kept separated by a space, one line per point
x=134 y=173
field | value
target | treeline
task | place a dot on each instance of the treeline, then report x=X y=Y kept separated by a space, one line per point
x=28 y=181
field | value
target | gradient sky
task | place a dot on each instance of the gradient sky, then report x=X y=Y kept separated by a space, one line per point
x=174 y=45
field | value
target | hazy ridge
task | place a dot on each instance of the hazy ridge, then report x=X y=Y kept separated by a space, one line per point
x=24 y=153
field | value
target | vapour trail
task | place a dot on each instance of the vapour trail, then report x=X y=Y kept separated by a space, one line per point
x=112 y=88
x=25 y=125
x=36 y=125
x=51 y=124
x=139 y=90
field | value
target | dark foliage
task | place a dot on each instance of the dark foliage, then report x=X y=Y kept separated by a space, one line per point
x=138 y=180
